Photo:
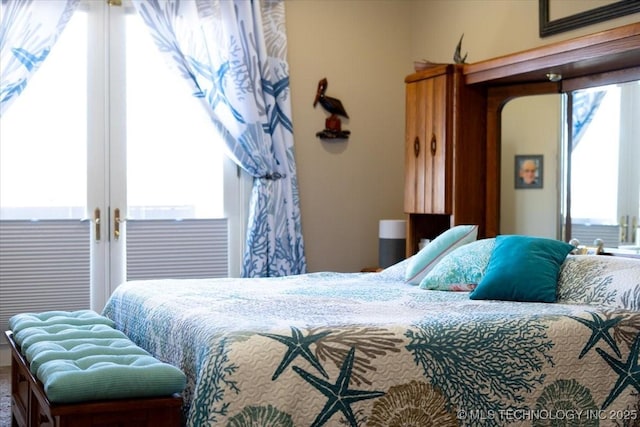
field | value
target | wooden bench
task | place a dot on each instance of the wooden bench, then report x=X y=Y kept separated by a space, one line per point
x=30 y=406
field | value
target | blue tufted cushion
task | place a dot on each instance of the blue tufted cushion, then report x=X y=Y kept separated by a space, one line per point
x=29 y=336
x=47 y=318
x=103 y=377
x=79 y=356
x=73 y=349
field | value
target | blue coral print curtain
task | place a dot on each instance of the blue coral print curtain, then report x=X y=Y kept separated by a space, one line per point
x=28 y=30
x=233 y=55
x=585 y=106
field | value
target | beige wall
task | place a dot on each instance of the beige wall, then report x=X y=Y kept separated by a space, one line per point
x=491 y=27
x=365 y=48
x=362 y=48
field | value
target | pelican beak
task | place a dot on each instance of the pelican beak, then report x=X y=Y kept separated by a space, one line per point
x=322 y=86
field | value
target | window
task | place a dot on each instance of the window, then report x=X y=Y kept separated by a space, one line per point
x=43 y=136
x=174 y=162
x=105 y=124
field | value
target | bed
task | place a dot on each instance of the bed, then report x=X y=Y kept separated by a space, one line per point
x=334 y=349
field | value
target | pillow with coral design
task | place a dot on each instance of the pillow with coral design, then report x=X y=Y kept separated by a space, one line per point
x=599 y=279
x=461 y=269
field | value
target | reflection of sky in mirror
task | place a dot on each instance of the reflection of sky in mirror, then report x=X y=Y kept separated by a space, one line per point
x=594 y=193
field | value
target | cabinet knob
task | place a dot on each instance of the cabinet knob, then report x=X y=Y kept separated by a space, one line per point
x=433 y=144
x=416 y=146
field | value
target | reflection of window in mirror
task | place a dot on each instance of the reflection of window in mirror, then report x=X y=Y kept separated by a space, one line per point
x=605 y=164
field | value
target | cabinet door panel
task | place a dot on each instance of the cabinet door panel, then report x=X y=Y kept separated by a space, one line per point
x=426 y=146
x=415 y=153
x=440 y=167
x=426 y=160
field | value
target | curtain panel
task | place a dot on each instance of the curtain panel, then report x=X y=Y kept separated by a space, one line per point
x=585 y=107
x=233 y=55
x=28 y=31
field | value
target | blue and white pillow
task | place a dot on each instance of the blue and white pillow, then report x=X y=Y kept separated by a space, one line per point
x=461 y=269
x=426 y=259
x=599 y=279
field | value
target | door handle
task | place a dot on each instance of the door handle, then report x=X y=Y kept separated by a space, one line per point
x=96 y=223
x=116 y=223
x=624 y=227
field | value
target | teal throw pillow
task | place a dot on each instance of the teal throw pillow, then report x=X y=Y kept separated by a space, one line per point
x=523 y=268
x=461 y=269
x=421 y=263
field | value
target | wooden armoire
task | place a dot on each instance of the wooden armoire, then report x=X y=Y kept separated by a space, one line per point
x=453 y=120
x=445 y=153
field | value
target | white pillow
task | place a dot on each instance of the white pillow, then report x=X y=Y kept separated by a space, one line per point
x=421 y=263
x=600 y=279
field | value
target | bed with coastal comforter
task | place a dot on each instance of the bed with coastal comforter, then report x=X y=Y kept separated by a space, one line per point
x=373 y=349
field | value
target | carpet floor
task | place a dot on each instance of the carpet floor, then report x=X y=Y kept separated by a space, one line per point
x=5 y=396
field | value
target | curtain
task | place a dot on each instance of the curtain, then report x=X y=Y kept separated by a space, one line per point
x=585 y=106
x=233 y=55
x=28 y=30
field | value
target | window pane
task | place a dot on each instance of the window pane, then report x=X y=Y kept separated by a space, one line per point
x=174 y=162
x=43 y=136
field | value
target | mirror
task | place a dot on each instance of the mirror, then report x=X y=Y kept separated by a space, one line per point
x=591 y=191
x=603 y=166
x=608 y=57
x=530 y=130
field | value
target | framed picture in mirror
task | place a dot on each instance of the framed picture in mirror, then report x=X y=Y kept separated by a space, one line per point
x=528 y=171
x=553 y=19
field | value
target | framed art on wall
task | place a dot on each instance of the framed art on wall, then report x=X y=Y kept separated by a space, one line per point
x=528 y=171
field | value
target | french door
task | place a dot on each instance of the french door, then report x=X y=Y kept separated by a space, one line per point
x=160 y=211
x=110 y=171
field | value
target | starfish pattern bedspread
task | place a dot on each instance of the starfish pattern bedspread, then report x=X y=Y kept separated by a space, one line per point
x=367 y=349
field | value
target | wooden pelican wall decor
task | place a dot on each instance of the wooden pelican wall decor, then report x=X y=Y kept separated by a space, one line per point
x=333 y=126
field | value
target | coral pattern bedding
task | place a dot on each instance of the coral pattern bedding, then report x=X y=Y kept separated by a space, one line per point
x=333 y=349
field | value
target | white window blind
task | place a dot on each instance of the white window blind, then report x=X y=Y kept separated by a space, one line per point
x=189 y=248
x=44 y=265
x=587 y=233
